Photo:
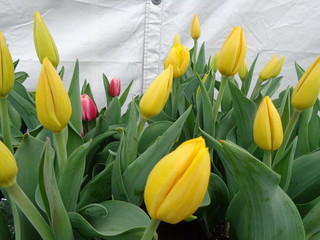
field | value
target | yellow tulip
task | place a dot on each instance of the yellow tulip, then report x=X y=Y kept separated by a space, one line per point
x=8 y=167
x=195 y=29
x=157 y=94
x=233 y=52
x=43 y=41
x=52 y=100
x=176 y=39
x=269 y=68
x=177 y=184
x=267 y=127
x=243 y=71
x=179 y=58
x=307 y=90
x=6 y=68
x=214 y=62
x=278 y=67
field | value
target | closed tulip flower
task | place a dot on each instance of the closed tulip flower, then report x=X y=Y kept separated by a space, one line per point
x=307 y=90
x=157 y=94
x=43 y=41
x=89 y=109
x=278 y=67
x=268 y=70
x=6 y=68
x=179 y=58
x=8 y=167
x=233 y=52
x=177 y=184
x=195 y=29
x=52 y=101
x=115 y=87
x=267 y=127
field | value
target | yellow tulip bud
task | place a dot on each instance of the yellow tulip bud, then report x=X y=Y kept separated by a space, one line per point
x=233 y=52
x=267 y=127
x=177 y=184
x=157 y=94
x=179 y=58
x=52 y=101
x=6 y=68
x=307 y=90
x=268 y=70
x=176 y=39
x=43 y=41
x=243 y=71
x=278 y=68
x=195 y=29
x=8 y=167
x=214 y=62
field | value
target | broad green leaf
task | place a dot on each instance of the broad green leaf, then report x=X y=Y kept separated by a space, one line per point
x=312 y=221
x=72 y=175
x=210 y=215
x=98 y=189
x=244 y=112
x=74 y=94
x=124 y=95
x=4 y=228
x=151 y=133
x=261 y=209
x=284 y=167
x=299 y=70
x=113 y=112
x=247 y=81
x=106 y=85
x=74 y=140
x=60 y=222
x=115 y=220
x=303 y=132
x=20 y=76
x=283 y=103
x=305 y=180
x=201 y=59
x=135 y=176
x=269 y=88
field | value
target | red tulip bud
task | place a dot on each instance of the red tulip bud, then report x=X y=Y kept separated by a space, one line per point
x=115 y=87
x=89 y=109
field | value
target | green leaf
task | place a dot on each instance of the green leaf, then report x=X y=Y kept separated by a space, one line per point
x=135 y=176
x=299 y=70
x=261 y=210
x=201 y=60
x=115 y=220
x=312 y=221
x=305 y=180
x=247 y=81
x=72 y=175
x=124 y=95
x=60 y=222
x=113 y=112
x=4 y=228
x=244 y=112
x=20 y=76
x=106 y=85
x=74 y=94
x=270 y=87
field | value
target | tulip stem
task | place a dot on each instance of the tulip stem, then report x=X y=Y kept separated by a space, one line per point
x=151 y=229
x=219 y=98
x=30 y=211
x=286 y=136
x=267 y=158
x=194 y=55
x=5 y=123
x=61 y=149
x=140 y=126
x=256 y=89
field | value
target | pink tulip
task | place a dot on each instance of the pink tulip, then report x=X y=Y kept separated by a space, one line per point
x=115 y=87
x=89 y=109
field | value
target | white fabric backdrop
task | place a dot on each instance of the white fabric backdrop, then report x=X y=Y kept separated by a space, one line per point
x=130 y=39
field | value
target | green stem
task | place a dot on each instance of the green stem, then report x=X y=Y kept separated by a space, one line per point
x=267 y=158
x=61 y=149
x=140 y=126
x=286 y=136
x=151 y=229
x=256 y=90
x=30 y=211
x=194 y=55
x=219 y=99
x=5 y=123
